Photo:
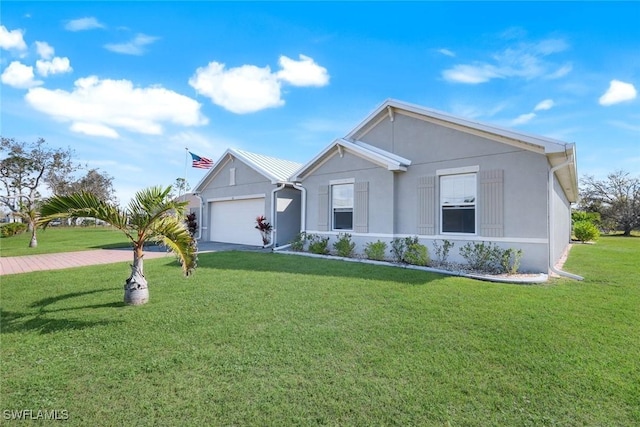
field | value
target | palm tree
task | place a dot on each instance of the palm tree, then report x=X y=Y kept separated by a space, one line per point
x=151 y=216
x=30 y=215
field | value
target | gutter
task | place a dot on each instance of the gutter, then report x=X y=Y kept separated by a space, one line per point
x=550 y=222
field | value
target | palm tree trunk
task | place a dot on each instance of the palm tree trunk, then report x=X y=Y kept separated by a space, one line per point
x=135 y=288
x=34 y=238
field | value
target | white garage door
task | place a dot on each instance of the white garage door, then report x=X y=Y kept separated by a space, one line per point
x=233 y=221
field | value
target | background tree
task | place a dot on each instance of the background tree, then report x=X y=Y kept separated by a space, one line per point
x=616 y=198
x=152 y=215
x=25 y=169
x=100 y=184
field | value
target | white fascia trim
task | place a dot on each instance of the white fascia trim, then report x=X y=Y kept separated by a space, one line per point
x=530 y=240
x=458 y=171
x=245 y=197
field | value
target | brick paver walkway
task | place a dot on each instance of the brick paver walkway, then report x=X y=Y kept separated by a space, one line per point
x=27 y=263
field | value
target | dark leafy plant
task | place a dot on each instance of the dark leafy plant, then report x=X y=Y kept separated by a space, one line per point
x=192 y=225
x=264 y=228
x=375 y=251
x=510 y=260
x=416 y=253
x=482 y=256
x=398 y=248
x=344 y=246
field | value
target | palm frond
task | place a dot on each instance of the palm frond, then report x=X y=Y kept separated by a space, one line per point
x=172 y=232
x=80 y=205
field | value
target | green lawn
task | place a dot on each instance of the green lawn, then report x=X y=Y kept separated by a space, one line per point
x=63 y=239
x=266 y=339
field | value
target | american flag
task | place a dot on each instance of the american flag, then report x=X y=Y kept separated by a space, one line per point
x=200 y=162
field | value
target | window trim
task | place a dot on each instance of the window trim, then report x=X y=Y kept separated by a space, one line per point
x=466 y=171
x=333 y=183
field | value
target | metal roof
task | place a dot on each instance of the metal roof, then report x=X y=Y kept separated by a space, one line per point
x=278 y=170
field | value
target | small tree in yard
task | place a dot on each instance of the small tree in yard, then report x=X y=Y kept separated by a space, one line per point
x=151 y=216
x=617 y=199
x=585 y=231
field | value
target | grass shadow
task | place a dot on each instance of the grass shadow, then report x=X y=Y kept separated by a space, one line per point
x=13 y=321
x=125 y=245
x=43 y=303
x=281 y=263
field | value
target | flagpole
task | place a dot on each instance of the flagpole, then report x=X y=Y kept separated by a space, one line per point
x=186 y=162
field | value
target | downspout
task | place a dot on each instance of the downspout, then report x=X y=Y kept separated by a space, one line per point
x=550 y=222
x=303 y=208
x=199 y=236
x=274 y=215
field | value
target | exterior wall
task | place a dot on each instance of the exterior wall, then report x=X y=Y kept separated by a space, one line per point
x=248 y=182
x=287 y=222
x=381 y=189
x=394 y=201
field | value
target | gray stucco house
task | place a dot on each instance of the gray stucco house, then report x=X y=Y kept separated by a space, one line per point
x=410 y=171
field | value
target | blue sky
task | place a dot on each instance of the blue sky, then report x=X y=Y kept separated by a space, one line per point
x=129 y=85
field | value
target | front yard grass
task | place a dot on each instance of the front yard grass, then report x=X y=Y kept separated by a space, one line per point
x=64 y=239
x=266 y=339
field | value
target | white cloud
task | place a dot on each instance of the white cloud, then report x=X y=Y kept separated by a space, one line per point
x=19 y=76
x=241 y=90
x=523 y=118
x=45 y=51
x=82 y=24
x=133 y=47
x=304 y=72
x=56 y=66
x=560 y=72
x=446 y=52
x=249 y=88
x=524 y=60
x=99 y=107
x=618 y=92
x=471 y=74
x=12 y=40
x=547 y=104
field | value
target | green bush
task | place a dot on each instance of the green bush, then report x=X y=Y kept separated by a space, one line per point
x=398 y=248
x=482 y=256
x=298 y=242
x=13 y=228
x=592 y=217
x=585 y=231
x=442 y=251
x=376 y=251
x=318 y=245
x=344 y=246
x=416 y=254
x=510 y=260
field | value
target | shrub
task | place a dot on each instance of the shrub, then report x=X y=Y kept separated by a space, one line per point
x=585 y=231
x=376 y=251
x=416 y=253
x=192 y=225
x=344 y=246
x=592 y=217
x=481 y=256
x=442 y=252
x=318 y=245
x=409 y=251
x=398 y=247
x=298 y=242
x=510 y=260
x=13 y=228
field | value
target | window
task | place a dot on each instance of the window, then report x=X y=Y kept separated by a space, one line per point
x=342 y=206
x=458 y=203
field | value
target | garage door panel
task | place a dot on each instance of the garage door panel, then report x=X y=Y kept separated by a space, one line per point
x=233 y=221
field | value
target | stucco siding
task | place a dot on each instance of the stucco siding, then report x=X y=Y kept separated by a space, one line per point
x=287 y=221
x=561 y=218
x=350 y=166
